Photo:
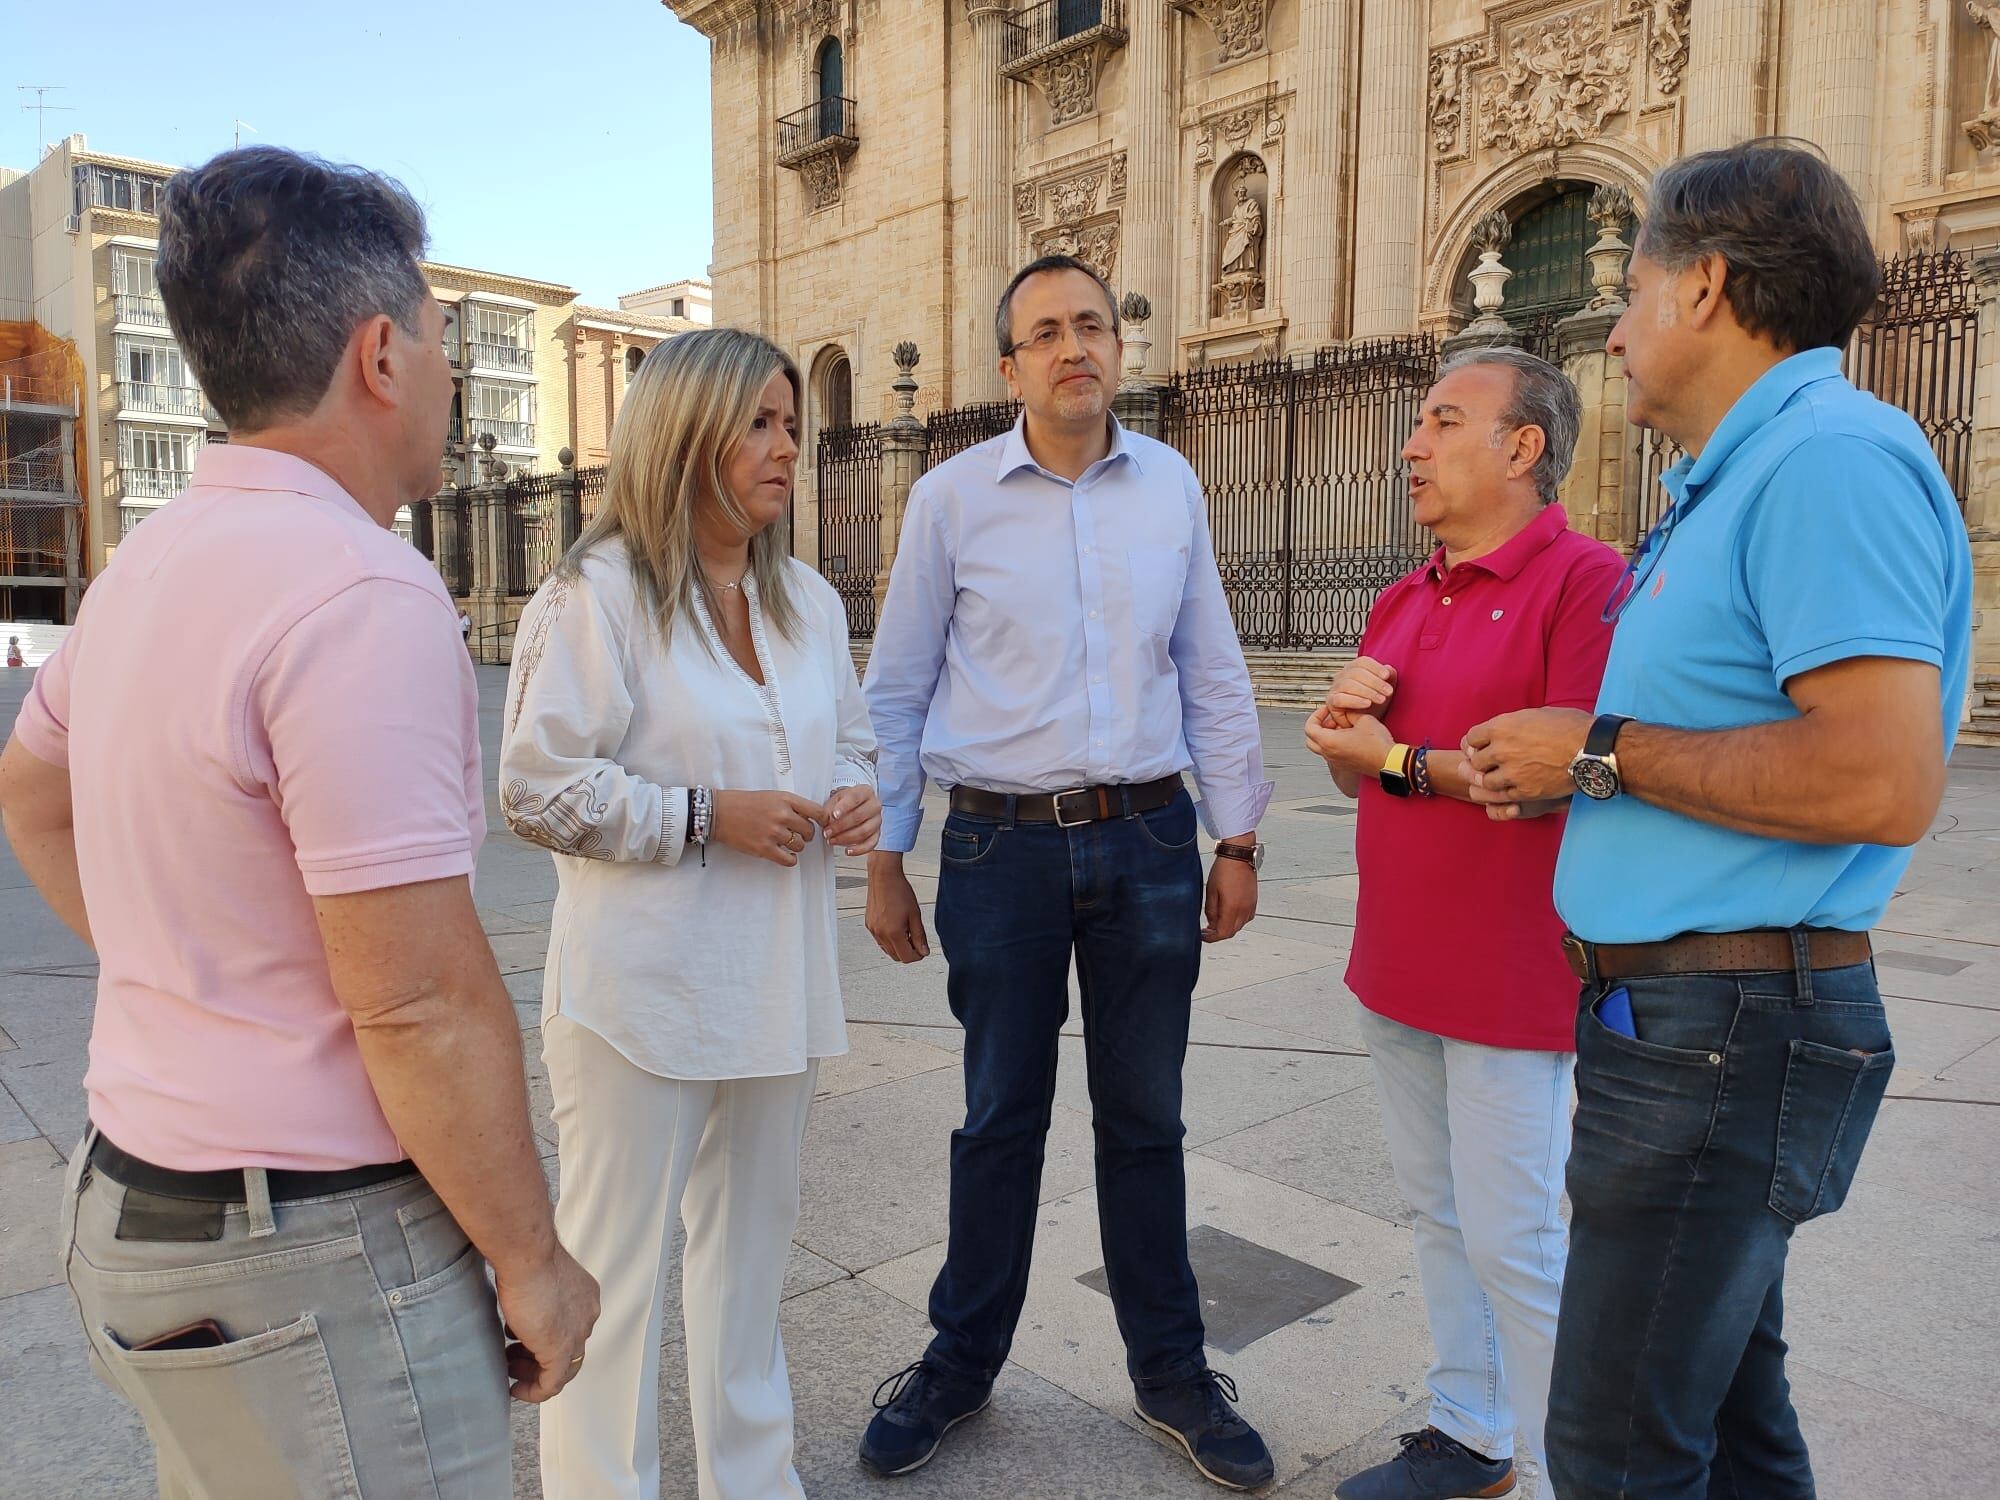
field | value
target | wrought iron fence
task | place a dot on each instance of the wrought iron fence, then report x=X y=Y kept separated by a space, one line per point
x=423 y=528
x=961 y=427
x=589 y=496
x=831 y=118
x=849 y=463
x=1918 y=350
x=533 y=509
x=1301 y=466
x=453 y=539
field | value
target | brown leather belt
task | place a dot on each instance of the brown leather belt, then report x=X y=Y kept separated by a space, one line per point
x=1066 y=809
x=1761 y=951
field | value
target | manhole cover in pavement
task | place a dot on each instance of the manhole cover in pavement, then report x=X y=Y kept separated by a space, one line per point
x=1248 y=1291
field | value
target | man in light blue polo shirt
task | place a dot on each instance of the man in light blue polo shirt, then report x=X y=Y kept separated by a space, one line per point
x=1784 y=685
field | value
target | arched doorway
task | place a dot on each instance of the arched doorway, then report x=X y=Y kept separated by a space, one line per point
x=836 y=391
x=1551 y=280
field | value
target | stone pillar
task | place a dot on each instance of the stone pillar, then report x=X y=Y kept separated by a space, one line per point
x=1834 y=49
x=1982 y=491
x=1390 y=166
x=1146 y=240
x=1731 y=74
x=1315 y=177
x=1595 y=493
x=989 y=196
x=1139 y=403
x=906 y=453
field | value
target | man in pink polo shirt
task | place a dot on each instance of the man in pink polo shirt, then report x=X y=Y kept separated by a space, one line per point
x=250 y=778
x=1468 y=1006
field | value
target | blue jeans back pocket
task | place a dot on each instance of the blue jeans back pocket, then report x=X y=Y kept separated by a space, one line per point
x=1832 y=1095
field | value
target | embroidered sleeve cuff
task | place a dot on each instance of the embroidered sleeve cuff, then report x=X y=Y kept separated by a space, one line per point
x=673 y=825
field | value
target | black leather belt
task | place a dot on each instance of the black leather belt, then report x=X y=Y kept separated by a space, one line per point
x=1764 y=950
x=1067 y=809
x=287 y=1185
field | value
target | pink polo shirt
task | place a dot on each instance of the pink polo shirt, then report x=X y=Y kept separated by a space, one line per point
x=265 y=699
x=1455 y=929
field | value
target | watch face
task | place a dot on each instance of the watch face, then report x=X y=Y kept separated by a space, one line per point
x=1257 y=855
x=1595 y=778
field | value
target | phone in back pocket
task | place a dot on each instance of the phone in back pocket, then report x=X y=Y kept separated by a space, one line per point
x=1615 y=1011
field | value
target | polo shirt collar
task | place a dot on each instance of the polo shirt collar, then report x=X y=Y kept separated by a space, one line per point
x=1014 y=454
x=1506 y=560
x=238 y=466
x=1769 y=395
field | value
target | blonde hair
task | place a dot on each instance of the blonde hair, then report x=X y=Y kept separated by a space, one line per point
x=685 y=413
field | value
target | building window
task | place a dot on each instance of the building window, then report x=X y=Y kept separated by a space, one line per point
x=634 y=357
x=132 y=273
x=679 y=307
x=112 y=187
x=500 y=338
x=1546 y=255
x=156 y=463
x=503 y=409
x=144 y=361
x=836 y=391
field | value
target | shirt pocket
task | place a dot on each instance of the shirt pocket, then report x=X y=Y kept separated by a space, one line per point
x=1157 y=576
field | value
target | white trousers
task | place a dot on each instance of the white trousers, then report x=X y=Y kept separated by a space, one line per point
x=635 y=1148
x=1479 y=1137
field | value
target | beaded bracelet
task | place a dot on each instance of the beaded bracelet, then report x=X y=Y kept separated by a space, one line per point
x=701 y=819
x=1420 y=770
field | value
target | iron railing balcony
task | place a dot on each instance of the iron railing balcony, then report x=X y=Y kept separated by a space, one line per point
x=1057 y=27
x=152 y=484
x=454 y=350
x=169 y=400
x=826 y=127
x=514 y=358
x=507 y=434
x=139 y=309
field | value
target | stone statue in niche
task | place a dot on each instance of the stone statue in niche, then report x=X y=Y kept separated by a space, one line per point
x=1243 y=234
x=1239 y=257
x=1984 y=128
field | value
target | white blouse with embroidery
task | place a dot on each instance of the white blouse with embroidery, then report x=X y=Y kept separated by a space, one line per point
x=722 y=969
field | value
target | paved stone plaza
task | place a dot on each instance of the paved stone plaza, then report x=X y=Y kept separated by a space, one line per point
x=1300 y=1237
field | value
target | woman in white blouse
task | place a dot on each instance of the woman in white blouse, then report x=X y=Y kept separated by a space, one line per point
x=684 y=730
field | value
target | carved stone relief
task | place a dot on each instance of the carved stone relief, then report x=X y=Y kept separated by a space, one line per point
x=821 y=176
x=1080 y=204
x=1447 y=97
x=1983 y=130
x=1238 y=24
x=1667 y=40
x=1561 y=80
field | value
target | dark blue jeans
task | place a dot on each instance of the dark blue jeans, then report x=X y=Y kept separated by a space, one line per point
x=1014 y=901
x=1739 y=1113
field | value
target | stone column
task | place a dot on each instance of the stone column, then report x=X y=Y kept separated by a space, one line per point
x=1731 y=74
x=1315 y=178
x=1834 y=48
x=1146 y=240
x=1982 y=492
x=989 y=196
x=1390 y=164
x=906 y=452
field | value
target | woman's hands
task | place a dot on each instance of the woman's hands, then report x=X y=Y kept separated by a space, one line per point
x=777 y=826
x=765 y=825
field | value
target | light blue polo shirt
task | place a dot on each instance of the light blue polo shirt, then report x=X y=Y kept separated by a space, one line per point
x=1815 y=526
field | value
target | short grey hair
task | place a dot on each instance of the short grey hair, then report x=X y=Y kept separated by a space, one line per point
x=1542 y=397
x=268 y=262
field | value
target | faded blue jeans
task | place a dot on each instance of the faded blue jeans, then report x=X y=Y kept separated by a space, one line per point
x=1738 y=1112
x=1014 y=901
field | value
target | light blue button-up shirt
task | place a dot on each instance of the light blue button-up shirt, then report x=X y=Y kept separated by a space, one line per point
x=1039 y=635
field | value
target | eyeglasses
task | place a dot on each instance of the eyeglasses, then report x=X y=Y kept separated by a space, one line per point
x=1044 y=339
x=1644 y=560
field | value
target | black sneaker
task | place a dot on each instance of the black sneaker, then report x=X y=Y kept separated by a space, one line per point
x=1198 y=1415
x=1433 y=1467
x=914 y=1409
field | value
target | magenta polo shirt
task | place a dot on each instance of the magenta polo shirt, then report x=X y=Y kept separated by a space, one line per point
x=265 y=699
x=1455 y=930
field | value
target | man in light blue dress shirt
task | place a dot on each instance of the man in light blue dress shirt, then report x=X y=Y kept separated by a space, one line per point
x=1055 y=650
x=1784 y=684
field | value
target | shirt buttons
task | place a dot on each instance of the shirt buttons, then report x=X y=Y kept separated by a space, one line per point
x=1447 y=598
x=1093 y=614
x=1098 y=679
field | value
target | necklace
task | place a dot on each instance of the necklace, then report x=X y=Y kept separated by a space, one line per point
x=736 y=583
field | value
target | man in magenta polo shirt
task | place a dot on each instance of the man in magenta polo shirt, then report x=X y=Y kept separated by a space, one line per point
x=1468 y=1005
x=250 y=779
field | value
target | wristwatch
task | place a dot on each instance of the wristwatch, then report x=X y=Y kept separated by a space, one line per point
x=1595 y=769
x=1395 y=772
x=1250 y=854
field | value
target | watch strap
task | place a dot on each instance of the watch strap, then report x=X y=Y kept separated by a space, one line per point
x=1603 y=736
x=1246 y=853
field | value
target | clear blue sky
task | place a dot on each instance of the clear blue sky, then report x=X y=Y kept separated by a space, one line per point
x=565 y=140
